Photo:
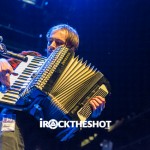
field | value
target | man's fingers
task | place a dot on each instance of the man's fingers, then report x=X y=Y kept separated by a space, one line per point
x=5 y=78
x=6 y=81
x=97 y=101
x=5 y=72
x=100 y=98
x=14 y=73
x=93 y=105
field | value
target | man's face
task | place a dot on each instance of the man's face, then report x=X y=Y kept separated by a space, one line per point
x=56 y=38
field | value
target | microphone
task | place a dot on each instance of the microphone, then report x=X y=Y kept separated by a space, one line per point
x=4 y=52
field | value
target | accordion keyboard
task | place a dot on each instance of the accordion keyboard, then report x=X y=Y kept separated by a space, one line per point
x=25 y=71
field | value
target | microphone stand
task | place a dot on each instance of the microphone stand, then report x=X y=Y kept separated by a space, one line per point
x=4 y=52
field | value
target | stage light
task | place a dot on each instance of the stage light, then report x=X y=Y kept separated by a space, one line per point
x=32 y=2
x=36 y=3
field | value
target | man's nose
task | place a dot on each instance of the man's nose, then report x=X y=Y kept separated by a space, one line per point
x=51 y=46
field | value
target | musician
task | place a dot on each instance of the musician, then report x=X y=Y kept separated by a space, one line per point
x=27 y=129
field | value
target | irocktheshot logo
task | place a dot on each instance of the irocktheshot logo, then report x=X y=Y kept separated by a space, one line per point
x=53 y=124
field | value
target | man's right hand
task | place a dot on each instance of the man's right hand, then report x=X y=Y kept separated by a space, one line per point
x=5 y=71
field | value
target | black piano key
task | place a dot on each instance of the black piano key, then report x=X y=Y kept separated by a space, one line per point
x=7 y=98
x=33 y=65
x=16 y=89
x=28 y=69
x=18 y=82
x=22 y=78
x=10 y=98
x=14 y=92
x=27 y=73
x=38 y=59
x=15 y=86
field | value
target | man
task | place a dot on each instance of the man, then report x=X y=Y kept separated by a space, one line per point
x=57 y=36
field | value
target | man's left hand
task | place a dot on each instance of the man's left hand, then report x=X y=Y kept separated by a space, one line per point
x=98 y=104
x=97 y=101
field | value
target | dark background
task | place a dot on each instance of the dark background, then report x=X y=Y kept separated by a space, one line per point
x=115 y=37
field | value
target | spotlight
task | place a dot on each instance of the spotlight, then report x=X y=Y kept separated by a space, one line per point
x=36 y=3
x=32 y=2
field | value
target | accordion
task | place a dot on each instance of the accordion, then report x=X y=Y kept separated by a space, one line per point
x=61 y=85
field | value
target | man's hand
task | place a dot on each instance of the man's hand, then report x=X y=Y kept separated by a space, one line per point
x=98 y=104
x=5 y=71
x=97 y=101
